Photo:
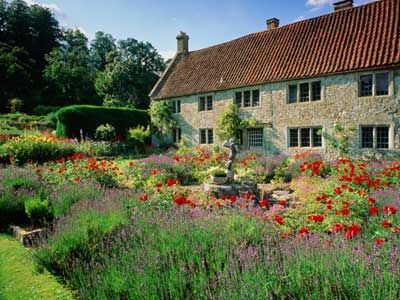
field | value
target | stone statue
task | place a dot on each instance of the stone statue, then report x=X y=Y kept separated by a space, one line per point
x=233 y=146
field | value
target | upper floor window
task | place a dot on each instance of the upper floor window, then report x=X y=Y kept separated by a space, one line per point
x=176 y=106
x=206 y=103
x=304 y=92
x=248 y=98
x=376 y=84
x=375 y=137
x=255 y=137
x=305 y=137
x=206 y=136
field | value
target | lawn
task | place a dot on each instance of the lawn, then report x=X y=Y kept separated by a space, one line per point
x=20 y=280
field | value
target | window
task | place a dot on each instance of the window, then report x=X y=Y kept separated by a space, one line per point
x=306 y=91
x=176 y=106
x=205 y=103
x=247 y=98
x=366 y=85
x=292 y=94
x=177 y=135
x=293 y=137
x=375 y=137
x=316 y=91
x=206 y=136
x=238 y=99
x=255 y=137
x=305 y=137
x=382 y=84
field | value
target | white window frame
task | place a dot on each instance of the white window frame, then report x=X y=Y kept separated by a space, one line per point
x=310 y=96
x=251 y=90
x=311 y=128
x=375 y=136
x=390 y=89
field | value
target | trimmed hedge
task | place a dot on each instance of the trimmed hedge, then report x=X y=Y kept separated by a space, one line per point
x=71 y=119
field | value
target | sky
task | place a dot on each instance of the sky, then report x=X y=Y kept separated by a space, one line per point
x=207 y=22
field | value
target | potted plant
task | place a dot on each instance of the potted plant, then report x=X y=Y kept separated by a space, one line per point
x=218 y=175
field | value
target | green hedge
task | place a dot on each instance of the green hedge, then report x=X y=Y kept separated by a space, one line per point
x=71 y=119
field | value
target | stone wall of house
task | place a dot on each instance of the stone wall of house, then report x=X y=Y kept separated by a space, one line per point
x=340 y=104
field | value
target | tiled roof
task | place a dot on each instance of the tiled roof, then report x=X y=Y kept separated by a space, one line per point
x=364 y=37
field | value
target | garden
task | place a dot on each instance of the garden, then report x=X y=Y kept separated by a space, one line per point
x=136 y=223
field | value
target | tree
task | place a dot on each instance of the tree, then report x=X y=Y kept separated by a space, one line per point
x=69 y=74
x=230 y=123
x=102 y=45
x=161 y=116
x=130 y=73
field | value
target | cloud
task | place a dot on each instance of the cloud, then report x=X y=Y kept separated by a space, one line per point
x=299 y=18
x=318 y=4
x=167 y=54
x=51 y=6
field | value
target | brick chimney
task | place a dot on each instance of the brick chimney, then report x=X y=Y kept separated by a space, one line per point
x=272 y=23
x=182 y=43
x=341 y=5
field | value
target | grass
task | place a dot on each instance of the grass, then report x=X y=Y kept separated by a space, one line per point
x=19 y=278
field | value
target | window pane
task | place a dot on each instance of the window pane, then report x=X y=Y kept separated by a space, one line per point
x=293 y=138
x=202 y=103
x=256 y=137
x=209 y=102
x=366 y=85
x=292 y=94
x=256 y=98
x=173 y=106
x=178 y=106
x=305 y=137
x=238 y=99
x=304 y=92
x=203 y=137
x=367 y=137
x=174 y=135
x=246 y=98
x=317 y=137
x=382 y=137
x=382 y=84
x=179 y=135
x=316 y=91
x=210 y=136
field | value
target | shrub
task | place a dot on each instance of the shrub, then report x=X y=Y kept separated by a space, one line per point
x=102 y=148
x=15 y=105
x=37 y=148
x=38 y=210
x=71 y=119
x=43 y=110
x=137 y=137
x=105 y=132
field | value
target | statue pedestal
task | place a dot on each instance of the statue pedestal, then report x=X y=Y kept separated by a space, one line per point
x=234 y=189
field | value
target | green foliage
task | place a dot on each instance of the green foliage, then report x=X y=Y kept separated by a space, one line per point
x=138 y=136
x=229 y=123
x=161 y=116
x=43 y=110
x=72 y=119
x=129 y=75
x=105 y=132
x=342 y=139
x=102 y=148
x=15 y=105
x=38 y=210
x=102 y=45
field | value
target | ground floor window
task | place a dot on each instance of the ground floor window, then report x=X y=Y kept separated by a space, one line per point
x=206 y=136
x=255 y=137
x=177 y=135
x=375 y=137
x=305 y=137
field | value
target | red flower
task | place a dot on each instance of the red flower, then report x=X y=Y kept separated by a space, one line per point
x=143 y=197
x=181 y=200
x=77 y=179
x=248 y=197
x=389 y=210
x=352 y=231
x=316 y=218
x=386 y=224
x=379 y=241
x=171 y=182
x=373 y=211
x=38 y=170
x=338 y=227
x=233 y=198
x=264 y=203
x=322 y=197
x=285 y=235
x=154 y=172
x=329 y=206
x=338 y=191
x=279 y=220
x=371 y=201
x=343 y=212
x=282 y=202
x=304 y=231
x=223 y=197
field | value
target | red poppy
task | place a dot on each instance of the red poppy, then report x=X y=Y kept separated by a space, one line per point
x=322 y=197
x=171 y=182
x=338 y=227
x=264 y=203
x=279 y=220
x=316 y=218
x=248 y=197
x=181 y=200
x=285 y=235
x=143 y=197
x=304 y=231
x=386 y=224
x=343 y=212
x=223 y=197
x=352 y=231
x=379 y=241
x=390 y=210
x=154 y=172
x=233 y=198
x=329 y=206
x=338 y=191
x=373 y=211
x=371 y=201
x=282 y=202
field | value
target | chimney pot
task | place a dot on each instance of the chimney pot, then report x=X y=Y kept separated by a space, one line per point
x=342 y=5
x=272 y=23
x=182 y=43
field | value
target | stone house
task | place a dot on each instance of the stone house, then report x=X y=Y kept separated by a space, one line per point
x=297 y=80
